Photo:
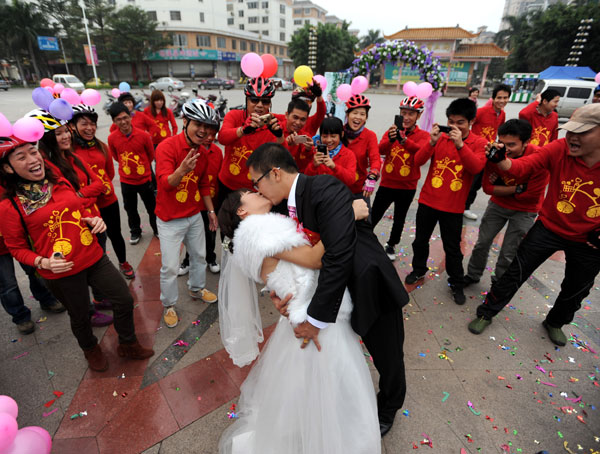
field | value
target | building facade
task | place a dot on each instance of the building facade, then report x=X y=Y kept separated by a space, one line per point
x=306 y=12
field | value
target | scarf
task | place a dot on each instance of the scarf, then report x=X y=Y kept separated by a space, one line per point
x=82 y=142
x=34 y=195
x=350 y=133
x=317 y=139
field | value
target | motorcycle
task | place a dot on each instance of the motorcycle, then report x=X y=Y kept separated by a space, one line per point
x=109 y=102
x=218 y=103
x=177 y=102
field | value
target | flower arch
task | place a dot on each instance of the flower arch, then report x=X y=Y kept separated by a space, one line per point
x=407 y=52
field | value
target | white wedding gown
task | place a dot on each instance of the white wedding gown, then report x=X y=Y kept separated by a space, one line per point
x=300 y=401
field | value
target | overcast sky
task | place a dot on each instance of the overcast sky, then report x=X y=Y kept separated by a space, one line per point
x=391 y=16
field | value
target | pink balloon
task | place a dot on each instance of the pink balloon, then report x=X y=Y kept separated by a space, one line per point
x=7 y=403
x=90 y=97
x=321 y=81
x=344 y=92
x=27 y=442
x=5 y=131
x=50 y=89
x=424 y=90
x=8 y=431
x=71 y=96
x=58 y=88
x=597 y=78
x=410 y=88
x=28 y=129
x=44 y=434
x=115 y=92
x=45 y=82
x=252 y=65
x=359 y=84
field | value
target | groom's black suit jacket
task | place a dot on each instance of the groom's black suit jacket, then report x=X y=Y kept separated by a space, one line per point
x=353 y=255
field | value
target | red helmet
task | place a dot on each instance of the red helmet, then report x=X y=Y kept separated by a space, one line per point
x=8 y=144
x=356 y=101
x=412 y=103
x=259 y=87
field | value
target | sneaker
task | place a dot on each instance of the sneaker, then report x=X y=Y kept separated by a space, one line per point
x=470 y=281
x=102 y=304
x=390 y=251
x=135 y=238
x=127 y=269
x=214 y=267
x=183 y=270
x=205 y=295
x=470 y=215
x=478 y=325
x=413 y=278
x=458 y=295
x=27 y=327
x=99 y=319
x=170 y=317
x=555 y=334
x=56 y=307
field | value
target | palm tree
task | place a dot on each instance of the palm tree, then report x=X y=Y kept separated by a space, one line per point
x=27 y=22
x=372 y=37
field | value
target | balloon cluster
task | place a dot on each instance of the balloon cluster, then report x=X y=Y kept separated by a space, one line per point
x=28 y=440
x=124 y=87
x=254 y=65
x=597 y=78
x=28 y=129
x=421 y=91
x=303 y=76
x=345 y=91
x=58 y=99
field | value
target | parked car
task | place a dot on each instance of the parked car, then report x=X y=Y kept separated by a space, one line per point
x=282 y=84
x=167 y=83
x=216 y=82
x=69 y=81
x=573 y=93
x=4 y=84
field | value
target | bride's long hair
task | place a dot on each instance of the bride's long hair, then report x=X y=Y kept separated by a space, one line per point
x=229 y=220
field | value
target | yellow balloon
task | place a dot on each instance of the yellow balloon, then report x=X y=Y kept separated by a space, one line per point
x=303 y=75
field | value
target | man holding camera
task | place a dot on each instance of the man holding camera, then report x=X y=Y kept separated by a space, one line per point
x=298 y=140
x=569 y=222
x=515 y=202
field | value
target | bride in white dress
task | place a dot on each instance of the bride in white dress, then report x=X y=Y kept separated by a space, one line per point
x=296 y=400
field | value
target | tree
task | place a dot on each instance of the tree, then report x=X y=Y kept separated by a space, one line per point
x=335 y=47
x=372 y=37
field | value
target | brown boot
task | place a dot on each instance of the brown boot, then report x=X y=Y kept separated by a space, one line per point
x=96 y=359
x=134 y=351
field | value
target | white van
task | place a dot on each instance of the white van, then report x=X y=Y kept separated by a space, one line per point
x=574 y=93
x=70 y=81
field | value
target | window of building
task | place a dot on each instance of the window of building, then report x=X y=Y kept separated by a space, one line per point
x=281 y=51
x=253 y=47
x=151 y=15
x=265 y=19
x=306 y=21
x=265 y=5
x=298 y=11
x=241 y=26
x=268 y=48
x=282 y=9
x=265 y=33
x=179 y=40
x=297 y=21
x=175 y=15
x=203 y=41
x=282 y=23
x=306 y=10
x=262 y=48
x=230 y=21
x=229 y=6
x=221 y=43
x=253 y=20
x=282 y=36
x=201 y=17
x=252 y=5
x=241 y=13
x=233 y=44
x=243 y=45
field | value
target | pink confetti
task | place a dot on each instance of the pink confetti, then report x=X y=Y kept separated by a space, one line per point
x=181 y=343
x=45 y=415
x=541 y=369
x=571 y=399
x=548 y=384
x=21 y=355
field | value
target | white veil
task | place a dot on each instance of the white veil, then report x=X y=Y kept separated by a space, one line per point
x=239 y=316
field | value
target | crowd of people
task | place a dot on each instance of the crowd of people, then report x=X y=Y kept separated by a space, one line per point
x=60 y=208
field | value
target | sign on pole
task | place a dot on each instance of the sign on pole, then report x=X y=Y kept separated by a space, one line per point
x=48 y=43
x=88 y=57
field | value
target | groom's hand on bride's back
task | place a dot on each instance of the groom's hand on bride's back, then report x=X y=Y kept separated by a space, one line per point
x=361 y=209
x=281 y=304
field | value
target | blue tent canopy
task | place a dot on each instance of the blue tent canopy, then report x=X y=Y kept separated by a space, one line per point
x=567 y=72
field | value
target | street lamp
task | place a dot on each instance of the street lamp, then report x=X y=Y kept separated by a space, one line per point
x=579 y=42
x=87 y=32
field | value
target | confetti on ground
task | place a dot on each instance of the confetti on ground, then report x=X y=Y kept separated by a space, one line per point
x=45 y=415
x=470 y=405
x=231 y=414
x=49 y=403
x=446 y=395
x=21 y=355
x=81 y=414
x=50 y=374
x=181 y=343
x=42 y=319
x=426 y=440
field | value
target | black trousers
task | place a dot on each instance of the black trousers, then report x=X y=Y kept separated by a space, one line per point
x=130 y=193
x=581 y=268
x=475 y=186
x=401 y=198
x=72 y=292
x=450 y=230
x=210 y=239
x=112 y=218
x=385 y=342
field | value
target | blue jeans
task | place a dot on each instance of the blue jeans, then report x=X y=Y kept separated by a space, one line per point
x=10 y=295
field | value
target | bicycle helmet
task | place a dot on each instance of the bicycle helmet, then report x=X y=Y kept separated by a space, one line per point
x=357 y=101
x=50 y=123
x=8 y=144
x=412 y=103
x=84 y=110
x=260 y=87
x=200 y=111
x=304 y=95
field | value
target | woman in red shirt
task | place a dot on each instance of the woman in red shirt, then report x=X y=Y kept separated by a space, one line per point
x=47 y=227
x=162 y=116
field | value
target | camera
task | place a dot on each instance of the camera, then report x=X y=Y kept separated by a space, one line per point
x=445 y=129
x=322 y=148
x=496 y=155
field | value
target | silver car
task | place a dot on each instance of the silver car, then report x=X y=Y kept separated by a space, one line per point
x=282 y=84
x=167 y=83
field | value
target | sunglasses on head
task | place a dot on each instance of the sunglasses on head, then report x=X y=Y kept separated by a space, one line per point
x=256 y=100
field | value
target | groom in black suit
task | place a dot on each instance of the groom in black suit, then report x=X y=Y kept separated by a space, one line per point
x=353 y=258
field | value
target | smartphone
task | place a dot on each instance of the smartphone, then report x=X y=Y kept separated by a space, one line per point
x=445 y=129
x=399 y=122
x=303 y=139
x=322 y=148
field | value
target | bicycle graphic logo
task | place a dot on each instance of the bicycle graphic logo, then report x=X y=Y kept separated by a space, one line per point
x=440 y=167
x=566 y=204
x=55 y=227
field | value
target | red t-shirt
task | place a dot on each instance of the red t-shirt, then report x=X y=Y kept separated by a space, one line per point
x=451 y=172
x=399 y=170
x=366 y=150
x=134 y=153
x=234 y=173
x=141 y=121
x=162 y=130
x=314 y=121
x=215 y=158
x=530 y=200
x=183 y=200
x=345 y=167
x=301 y=155
x=102 y=165
x=55 y=227
x=571 y=208
x=487 y=122
x=545 y=129
x=3 y=248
